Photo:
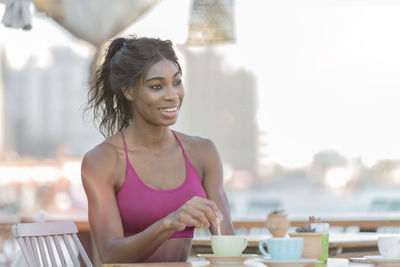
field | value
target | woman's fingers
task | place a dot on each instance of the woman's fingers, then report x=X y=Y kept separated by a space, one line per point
x=190 y=220
x=198 y=212
x=197 y=215
x=208 y=208
x=215 y=209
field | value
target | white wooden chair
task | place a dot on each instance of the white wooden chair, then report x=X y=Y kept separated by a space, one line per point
x=34 y=238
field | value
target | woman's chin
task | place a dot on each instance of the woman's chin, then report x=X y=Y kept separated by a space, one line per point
x=167 y=122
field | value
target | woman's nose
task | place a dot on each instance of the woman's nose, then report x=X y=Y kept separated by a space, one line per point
x=171 y=93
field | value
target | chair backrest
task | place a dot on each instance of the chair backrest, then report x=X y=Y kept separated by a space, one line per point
x=35 y=240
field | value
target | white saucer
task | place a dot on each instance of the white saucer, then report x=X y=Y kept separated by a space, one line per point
x=381 y=261
x=287 y=263
x=214 y=259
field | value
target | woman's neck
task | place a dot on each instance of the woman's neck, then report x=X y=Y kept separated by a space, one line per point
x=149 y=137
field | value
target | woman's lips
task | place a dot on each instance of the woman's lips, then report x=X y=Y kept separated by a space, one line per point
x=169 y=111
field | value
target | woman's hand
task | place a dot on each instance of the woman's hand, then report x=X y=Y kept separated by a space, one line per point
x=198 y=212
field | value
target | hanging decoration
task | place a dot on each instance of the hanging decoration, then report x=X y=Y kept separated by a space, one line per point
x=211 y=22
x=17 y=14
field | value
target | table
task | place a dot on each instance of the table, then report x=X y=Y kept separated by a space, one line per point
x=331 y=263
x=340 y=244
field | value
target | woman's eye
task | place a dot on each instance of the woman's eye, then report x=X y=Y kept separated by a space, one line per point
x=155 y=87
x=178 y=82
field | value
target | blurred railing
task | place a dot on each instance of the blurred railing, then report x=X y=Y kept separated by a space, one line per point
x=369 y=224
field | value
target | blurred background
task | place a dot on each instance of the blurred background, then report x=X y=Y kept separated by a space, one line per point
x=300 y=97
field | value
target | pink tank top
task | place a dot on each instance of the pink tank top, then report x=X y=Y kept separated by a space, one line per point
x=141 y=205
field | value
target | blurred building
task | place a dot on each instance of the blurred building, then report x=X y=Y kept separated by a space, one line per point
x=220 y=104
x=43 y=106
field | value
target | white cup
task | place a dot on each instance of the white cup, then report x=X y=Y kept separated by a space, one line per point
x=228 y=245
x=389 y=247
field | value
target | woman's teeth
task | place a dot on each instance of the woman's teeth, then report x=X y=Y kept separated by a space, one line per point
x=169 y=109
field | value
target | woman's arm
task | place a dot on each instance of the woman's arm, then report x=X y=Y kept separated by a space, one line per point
x=99 y=168
x=213 y=184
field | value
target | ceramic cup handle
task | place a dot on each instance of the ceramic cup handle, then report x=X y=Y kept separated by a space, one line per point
x=244 y=244
x=261 y=248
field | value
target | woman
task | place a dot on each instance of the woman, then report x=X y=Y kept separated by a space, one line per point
x=147 y=186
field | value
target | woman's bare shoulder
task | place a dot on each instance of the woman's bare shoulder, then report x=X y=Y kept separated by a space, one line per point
x=197 y=146
x=101 y=152
x=103 y=159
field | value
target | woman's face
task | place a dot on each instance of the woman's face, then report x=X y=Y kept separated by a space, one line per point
x=158 y=97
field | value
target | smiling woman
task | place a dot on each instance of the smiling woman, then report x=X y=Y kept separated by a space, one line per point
x=147 y=186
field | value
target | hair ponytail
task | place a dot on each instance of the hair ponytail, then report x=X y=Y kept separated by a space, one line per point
x=105 y=98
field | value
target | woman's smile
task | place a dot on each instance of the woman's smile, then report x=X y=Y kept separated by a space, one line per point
x=170 y=111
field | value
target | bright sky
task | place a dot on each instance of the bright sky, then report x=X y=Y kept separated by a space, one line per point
x=327 y=72
x=21 y=45
x=328 y=78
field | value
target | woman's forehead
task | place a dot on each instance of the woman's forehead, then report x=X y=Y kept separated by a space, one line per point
x=162 y=68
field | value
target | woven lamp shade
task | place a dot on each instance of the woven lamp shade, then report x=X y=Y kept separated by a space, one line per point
x=211 y=22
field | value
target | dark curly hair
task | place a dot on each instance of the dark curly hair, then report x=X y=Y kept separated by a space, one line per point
x=126 y=61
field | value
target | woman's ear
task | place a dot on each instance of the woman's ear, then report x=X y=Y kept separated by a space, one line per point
x=128 y=93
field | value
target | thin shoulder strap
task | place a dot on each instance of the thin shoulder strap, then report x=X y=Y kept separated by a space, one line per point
x=177 y=139
x=126 y=150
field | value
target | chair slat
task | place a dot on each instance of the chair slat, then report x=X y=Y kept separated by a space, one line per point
x=71 y=251
x=59 y=250
x=42 y=251
x=25 y=251
x=30 y=249
x=35 y=249
x=82 y=250
x=50 y=250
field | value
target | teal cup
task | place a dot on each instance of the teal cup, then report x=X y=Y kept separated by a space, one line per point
x=283 y=248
